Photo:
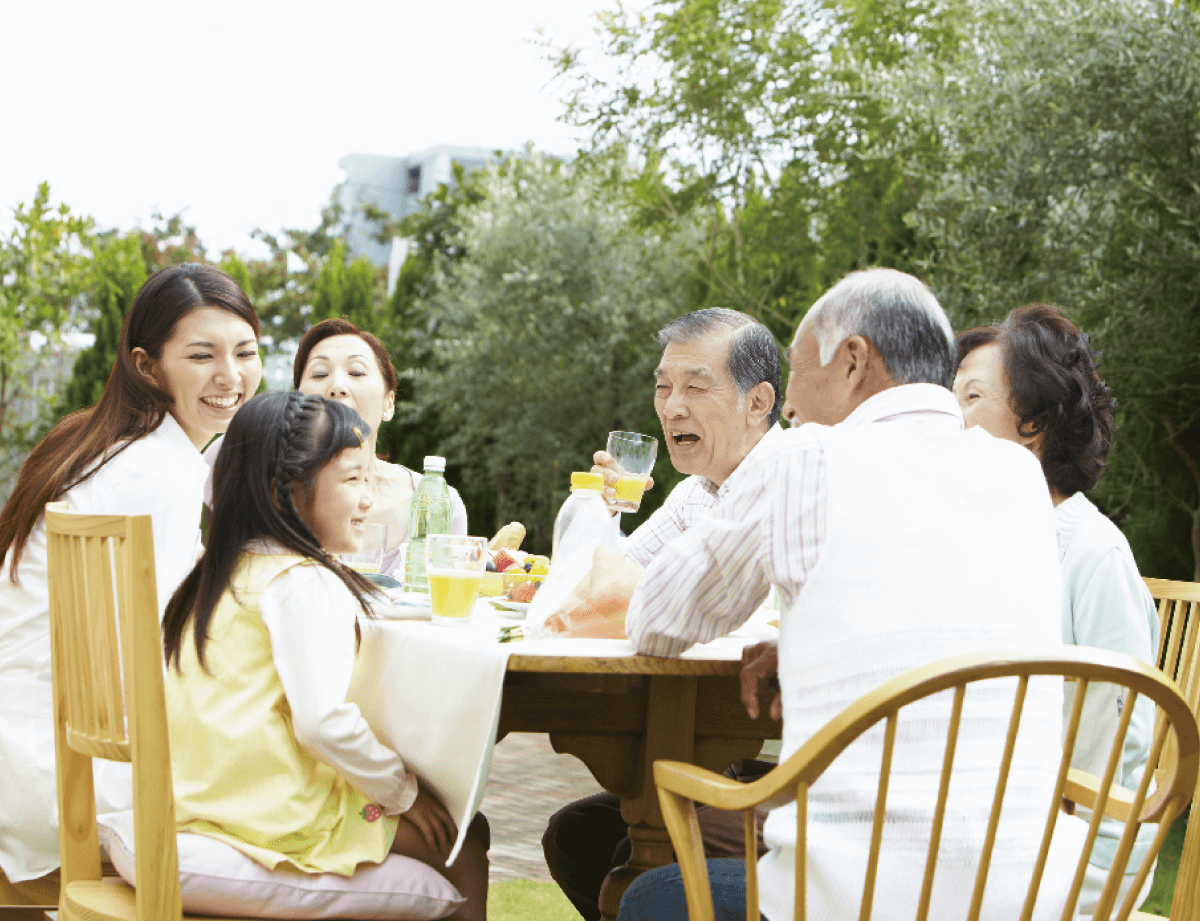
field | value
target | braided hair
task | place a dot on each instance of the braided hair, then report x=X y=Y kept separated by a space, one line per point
x=277 y=443
x=1055 y=390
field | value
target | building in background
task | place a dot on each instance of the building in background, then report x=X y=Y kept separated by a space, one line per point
x=395 y=186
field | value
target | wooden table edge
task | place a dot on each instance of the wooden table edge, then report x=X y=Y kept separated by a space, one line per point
x=624 y=665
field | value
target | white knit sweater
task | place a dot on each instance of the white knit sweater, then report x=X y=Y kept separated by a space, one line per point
x=937 y=542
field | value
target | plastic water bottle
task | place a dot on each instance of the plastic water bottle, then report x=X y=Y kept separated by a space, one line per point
x=584 y=517
x=430 y=514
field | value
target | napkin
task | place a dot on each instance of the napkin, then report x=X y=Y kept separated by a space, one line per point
x=432 y=694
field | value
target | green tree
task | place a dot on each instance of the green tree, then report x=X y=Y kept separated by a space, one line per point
x=346 y=288
x=1065 y=171
x=754 y=112
x=417 y=429
x=42 y=266
x=542 y=334
x=116 y=273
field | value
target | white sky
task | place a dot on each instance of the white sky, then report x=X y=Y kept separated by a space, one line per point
x=237 y=111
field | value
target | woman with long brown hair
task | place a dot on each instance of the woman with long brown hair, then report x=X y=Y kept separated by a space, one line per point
x=187 y=360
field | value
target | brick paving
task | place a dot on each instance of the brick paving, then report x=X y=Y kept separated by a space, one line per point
x=527 y=784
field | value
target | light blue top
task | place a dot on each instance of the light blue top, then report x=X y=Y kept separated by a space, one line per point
x=1106 y=604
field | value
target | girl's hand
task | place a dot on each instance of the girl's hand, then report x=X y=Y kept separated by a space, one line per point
x=432 y=821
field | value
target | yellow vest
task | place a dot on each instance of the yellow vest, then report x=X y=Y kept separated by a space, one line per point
x=240 y=774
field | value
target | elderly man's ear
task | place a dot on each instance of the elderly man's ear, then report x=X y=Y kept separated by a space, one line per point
x=862 y=371
x=759 y=401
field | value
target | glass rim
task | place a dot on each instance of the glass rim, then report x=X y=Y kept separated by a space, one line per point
x=636 y=437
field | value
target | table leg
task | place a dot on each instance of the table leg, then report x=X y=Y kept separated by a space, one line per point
x=670 y=734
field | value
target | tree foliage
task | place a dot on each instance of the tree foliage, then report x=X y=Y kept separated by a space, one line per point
x=346 y=288
x=116 y=273
x=1066 y=170
x=541 y=319
x=42 y=265
x=753 y=111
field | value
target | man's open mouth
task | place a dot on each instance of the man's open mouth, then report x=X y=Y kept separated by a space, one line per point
x=684 y=439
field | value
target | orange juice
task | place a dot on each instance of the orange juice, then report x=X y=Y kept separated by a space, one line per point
x=629 y=491
x=453 y=594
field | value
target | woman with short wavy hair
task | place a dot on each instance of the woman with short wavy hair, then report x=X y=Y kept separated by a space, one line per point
x=1033 y=379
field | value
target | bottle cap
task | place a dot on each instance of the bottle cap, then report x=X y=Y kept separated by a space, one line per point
x=435 y=463
x=581 y=480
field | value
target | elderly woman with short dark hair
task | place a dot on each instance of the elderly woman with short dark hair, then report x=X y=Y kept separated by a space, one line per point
x=1033 y=379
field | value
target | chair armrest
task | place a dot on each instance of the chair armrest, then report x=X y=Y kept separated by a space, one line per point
x=1083 y=789
x=701 y=785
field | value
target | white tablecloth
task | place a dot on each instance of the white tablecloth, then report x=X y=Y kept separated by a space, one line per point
x=432 y=693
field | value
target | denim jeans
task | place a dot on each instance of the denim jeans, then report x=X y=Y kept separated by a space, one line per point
x=657 y=895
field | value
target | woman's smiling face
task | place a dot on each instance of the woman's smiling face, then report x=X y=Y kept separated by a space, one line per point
x=210 y=367
x=981 y=388
x=344 y=368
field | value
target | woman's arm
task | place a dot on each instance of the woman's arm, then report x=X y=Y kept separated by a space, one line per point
x=310 y=615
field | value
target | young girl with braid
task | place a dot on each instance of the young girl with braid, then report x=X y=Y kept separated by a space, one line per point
x=260 y=639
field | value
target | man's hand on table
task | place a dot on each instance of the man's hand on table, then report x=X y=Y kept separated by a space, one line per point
x=760 y=663
x=432 y=821
x=605 y=465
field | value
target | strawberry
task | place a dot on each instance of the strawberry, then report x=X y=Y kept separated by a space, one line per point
x=371 y=812
x=503 y=561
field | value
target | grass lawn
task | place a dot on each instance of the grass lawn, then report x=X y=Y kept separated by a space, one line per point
x=1159 y=900
x=524 y=900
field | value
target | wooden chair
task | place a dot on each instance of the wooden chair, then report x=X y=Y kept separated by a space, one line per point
x=107 y=667
x=680 y=785
x=1179 y=657
x=27 y=901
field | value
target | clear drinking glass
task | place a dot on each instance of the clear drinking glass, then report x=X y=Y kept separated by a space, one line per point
x=454 y=566
x=370 y=555
x=634 y=455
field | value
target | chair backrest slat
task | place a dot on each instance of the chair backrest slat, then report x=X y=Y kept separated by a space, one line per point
x=885 y=776
x=801 y=909
x=1070 y=733
x=939 y=812
x=989 y=841
x=750 y=834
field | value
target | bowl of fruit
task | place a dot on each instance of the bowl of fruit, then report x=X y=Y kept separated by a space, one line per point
x=520 y=578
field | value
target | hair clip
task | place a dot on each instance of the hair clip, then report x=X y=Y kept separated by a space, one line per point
x=361 y=440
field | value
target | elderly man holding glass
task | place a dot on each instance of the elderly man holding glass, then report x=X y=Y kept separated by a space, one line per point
x=895 y=538
x=718 y=396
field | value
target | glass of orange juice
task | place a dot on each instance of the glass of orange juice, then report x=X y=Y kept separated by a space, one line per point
x=634 y=455
x=369 y=556
x=454 y=565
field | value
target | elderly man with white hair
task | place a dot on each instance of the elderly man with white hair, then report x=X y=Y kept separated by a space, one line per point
x=895 y=539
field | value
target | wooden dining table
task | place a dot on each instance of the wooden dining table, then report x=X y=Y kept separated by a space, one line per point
x=442 y=697
x=619 y=715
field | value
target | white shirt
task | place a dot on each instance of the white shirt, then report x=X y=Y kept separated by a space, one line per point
x=688 y=502
x=309 y=613
x=161 y=475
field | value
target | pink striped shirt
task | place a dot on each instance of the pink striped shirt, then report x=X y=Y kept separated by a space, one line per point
x=767 y=530
x=688 y=503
